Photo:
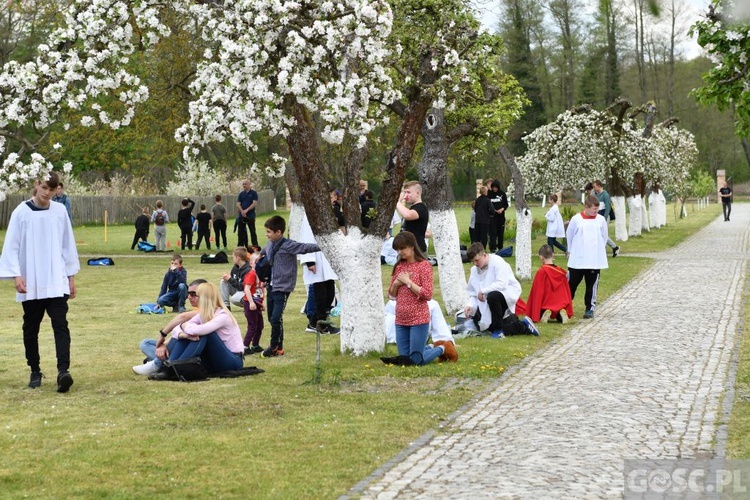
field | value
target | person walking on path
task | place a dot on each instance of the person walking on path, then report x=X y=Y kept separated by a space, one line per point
x=726 y=201
x=650 y=378
x=587 y=252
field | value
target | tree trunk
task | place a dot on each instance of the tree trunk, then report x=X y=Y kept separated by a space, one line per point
x=355 y=256
x=437 y=195
x=645 y=226
x=634 y=228
x=523 y=217
x=621 y=222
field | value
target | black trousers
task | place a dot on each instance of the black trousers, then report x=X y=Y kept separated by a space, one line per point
x=592 y=284
x=33 y=313
x=325 y=292
x=497 y=233
x=220 y=231
x=139 y=235
x=482 y=233
x=186 y=237
x=502 y=318
x=242 y=233
x=203 y=236
x=727 y=208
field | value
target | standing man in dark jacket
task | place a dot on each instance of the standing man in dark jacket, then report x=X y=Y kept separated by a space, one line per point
x=497 y=224
x=142 y=224
x=484 y=212
x=246 y=203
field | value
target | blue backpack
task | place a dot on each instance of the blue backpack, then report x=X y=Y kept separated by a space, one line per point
x=145 y=246
x=101 y=261
x=151 y=308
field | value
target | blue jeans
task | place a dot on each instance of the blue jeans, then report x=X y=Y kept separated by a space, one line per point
x=213 y=353
x=552 y=241
x=276 y=304
x=175 y=298
x=411 y=341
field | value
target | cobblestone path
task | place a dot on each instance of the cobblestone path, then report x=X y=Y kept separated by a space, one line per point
x=643 y=380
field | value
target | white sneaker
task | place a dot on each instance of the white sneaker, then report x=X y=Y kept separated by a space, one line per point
x=564 y=316
x=146 y=368
x=546 y=316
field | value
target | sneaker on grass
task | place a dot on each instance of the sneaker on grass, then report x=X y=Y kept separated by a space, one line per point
x=310 y=328
x=588 y=314
x=498 y=334
x=64 y=381
x=146 y=368
x=253 y=349
x=563 y=315
x=36 y=379
x=530 y=326
x=272 y=352
x=546 y=316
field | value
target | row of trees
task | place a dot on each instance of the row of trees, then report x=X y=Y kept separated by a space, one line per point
x=321 y=79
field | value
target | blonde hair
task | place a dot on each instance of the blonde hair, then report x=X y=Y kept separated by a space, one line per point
x=240 y=252
x=209 y=301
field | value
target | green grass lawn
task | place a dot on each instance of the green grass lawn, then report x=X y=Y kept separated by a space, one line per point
x=274 y=435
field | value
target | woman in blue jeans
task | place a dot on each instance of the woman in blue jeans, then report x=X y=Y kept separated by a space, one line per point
x=213 y=334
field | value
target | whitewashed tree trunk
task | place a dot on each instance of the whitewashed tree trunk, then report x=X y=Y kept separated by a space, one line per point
x=653 y=205
x=450 y=268
x=356 y=259
x=621 y=222
x=437 y=195
x=523 y=244
x=662 y=210
x=645 y=226
x=296 y=213
x=634 y=227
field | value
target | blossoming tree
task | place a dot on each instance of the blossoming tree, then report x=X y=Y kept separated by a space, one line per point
x=585 y=144
x=725 y=35
x=474 y=103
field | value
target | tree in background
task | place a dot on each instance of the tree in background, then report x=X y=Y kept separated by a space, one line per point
x=725 y=35
x=476 y=103
x=519 y=16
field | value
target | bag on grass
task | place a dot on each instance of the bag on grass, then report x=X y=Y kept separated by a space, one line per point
x=505 y=252
x=188 y=369
x=152 y=308
x=101 y=261
x=242 y=372
x=145 y=246
x=219 y=257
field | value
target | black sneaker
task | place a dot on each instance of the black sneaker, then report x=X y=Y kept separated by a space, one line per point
x=36 y=379
x=253 y=349
x=272 y=352
x=64 y=381
x=332 y=330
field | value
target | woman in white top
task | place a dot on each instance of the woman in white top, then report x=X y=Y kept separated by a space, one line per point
x=213 y=334
x=555 y=226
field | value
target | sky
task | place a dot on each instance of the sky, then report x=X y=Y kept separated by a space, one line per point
x=490 y=14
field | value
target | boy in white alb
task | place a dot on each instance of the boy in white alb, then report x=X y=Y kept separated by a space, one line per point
x=40 y=255
x=587 y=251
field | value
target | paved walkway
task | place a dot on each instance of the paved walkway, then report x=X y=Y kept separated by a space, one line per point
x=643 y=379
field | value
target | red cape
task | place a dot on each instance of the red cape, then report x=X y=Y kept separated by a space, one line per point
x=550 y=290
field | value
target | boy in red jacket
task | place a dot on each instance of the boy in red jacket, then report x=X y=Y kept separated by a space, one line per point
x=549 y=296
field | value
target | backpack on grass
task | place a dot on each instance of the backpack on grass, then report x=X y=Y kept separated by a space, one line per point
x=150 y=308
x=145 y=246
x=219 y=257
x=101 y=261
